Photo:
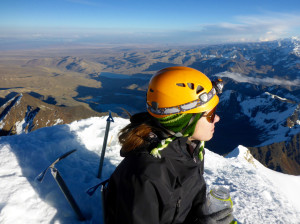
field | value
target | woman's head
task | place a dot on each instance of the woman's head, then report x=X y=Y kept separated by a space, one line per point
x=179 y=96
x=178 y=90
x=179 y=102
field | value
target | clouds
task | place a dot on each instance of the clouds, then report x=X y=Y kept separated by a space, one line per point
x=258 y=81
x=271 y=26
x=251 y=28
x=264 y=27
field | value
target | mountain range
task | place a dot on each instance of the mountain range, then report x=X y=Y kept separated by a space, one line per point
x=278 y=58
x=260 y=100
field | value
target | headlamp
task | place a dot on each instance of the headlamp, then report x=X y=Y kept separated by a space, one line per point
x=217 y=89
x=218 y=85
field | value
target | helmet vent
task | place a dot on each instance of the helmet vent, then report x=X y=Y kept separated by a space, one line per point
x=191 y=85
x=180 y=84
x=151 y=90
x=199 y=89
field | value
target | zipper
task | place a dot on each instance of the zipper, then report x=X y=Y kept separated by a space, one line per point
x=176 y=209
x=194 y=159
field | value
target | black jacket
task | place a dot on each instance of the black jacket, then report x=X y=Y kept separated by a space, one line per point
x=148 y=190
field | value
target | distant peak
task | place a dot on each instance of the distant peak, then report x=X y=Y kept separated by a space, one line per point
x=243 y=153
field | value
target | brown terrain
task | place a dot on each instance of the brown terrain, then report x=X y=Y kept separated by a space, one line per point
x=283 y=156
x=24 y=113
x=22 y=74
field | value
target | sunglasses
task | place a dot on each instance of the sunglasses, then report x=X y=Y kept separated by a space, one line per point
x=211 y=115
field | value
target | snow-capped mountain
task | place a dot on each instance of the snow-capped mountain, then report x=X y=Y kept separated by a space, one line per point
x=275 y=59
x=277 y=118
x=273 y=117
x=259 y=194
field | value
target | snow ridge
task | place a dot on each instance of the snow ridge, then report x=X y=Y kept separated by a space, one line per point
x=259 y=195
x=27 y=123
x=12 y=103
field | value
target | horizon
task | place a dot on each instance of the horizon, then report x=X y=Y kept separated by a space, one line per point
x=90 y=22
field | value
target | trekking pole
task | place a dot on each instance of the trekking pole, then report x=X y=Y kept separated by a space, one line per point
x=62 y=185
x=109 y=119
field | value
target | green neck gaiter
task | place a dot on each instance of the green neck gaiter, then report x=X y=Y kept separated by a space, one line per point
x=179 y=122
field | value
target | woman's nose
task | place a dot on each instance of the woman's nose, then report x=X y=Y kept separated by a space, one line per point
x=217 y=118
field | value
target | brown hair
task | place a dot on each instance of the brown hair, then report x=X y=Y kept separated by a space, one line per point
x=137 y=133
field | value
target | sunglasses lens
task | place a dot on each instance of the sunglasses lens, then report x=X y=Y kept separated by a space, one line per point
x=211 y=115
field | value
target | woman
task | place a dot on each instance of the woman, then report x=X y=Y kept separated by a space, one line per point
x=161 y=180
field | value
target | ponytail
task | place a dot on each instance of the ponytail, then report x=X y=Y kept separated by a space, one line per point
x=138 y=132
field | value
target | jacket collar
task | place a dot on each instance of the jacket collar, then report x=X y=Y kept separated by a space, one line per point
x=180 y=149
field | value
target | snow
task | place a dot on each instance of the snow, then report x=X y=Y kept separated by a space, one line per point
x=271 y=120
x=225 y=97
x=259 y=195
x=15 y=101
x=1 y=124
x=274 y=96
x=19 y=100
x=20 y=126
x=58 y=121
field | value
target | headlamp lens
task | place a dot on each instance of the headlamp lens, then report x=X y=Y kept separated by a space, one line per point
x=203 y=97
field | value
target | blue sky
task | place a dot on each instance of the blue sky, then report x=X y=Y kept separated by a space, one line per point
x=155 y=21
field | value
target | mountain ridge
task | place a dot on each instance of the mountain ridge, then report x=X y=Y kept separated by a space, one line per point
x=25 y=113
x=69 y=63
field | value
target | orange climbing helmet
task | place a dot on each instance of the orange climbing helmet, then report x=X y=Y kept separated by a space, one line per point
x=177 y=90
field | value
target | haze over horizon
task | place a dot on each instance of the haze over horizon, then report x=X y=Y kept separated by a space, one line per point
x=146 y=22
